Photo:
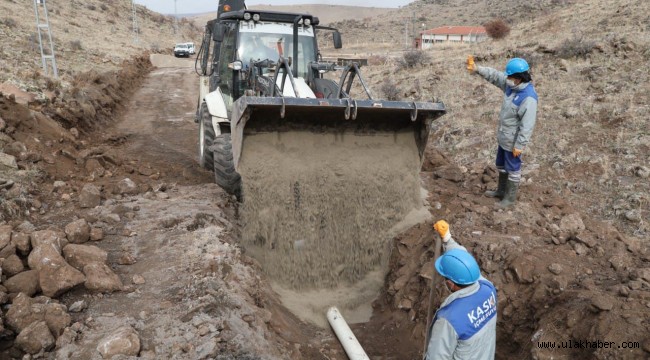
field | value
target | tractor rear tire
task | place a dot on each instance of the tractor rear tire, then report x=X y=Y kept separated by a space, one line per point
x=206 y=138
x=224 y=166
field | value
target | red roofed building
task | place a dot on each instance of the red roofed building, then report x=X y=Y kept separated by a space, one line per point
x=458 y=34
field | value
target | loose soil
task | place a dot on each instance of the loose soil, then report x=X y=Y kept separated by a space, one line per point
x=204 y=297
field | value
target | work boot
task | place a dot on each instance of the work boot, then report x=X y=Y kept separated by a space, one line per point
x=501 y=187
x=510 y=196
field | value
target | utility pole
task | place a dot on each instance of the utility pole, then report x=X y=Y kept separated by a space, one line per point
x=175 y=18
x=134 y=15
x=45 y=27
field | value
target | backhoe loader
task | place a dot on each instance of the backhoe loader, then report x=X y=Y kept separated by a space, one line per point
x=262 y=71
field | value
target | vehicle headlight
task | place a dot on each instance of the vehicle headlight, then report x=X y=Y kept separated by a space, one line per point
x=256 y=17
x=307 y=22
x=247 y=16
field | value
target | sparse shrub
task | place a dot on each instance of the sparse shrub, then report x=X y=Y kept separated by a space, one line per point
x=575 y=47
x=91 y=7
x=413 y=58
x=377 y=60
x=8 y=22
x=103 y=7
x=52 y=84
x=390 y=90
x=75 y=45
x=497 y=29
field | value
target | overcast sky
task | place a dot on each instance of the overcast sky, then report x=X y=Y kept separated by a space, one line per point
x=201 y=6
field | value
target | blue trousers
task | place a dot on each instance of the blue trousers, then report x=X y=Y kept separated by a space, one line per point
x=506 y=162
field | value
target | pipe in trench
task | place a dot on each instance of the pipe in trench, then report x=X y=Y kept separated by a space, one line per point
x=345 y=335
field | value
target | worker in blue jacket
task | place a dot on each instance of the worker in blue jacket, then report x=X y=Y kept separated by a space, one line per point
x=464 y=327
x=516 y=122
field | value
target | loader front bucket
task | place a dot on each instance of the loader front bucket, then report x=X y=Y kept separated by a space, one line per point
x=326 y=185
x=253 y=115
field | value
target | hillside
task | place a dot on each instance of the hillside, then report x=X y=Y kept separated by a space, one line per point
x=326 y=13
x=87 y=35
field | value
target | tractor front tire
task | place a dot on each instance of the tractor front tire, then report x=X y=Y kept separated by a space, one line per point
x=224 y=166
x=206 y=138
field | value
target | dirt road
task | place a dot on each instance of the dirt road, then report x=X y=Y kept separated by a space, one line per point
x=188 y=291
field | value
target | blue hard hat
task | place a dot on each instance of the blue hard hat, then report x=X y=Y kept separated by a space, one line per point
x=516 y=65
x=458 y=266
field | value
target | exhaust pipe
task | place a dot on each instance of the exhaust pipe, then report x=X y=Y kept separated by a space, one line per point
x=345 y=335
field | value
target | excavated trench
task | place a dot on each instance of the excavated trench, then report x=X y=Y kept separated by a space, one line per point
x=591 y=284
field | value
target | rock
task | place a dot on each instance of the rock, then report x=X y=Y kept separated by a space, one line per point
x=100 y=277
x=78 y=231
x=57 y=318
x=126 y=259
x=7 y=251
x=587 y=239
x=22 y=242
x=26 y=282
x=46 y=254
x=449 y=172
x=58 y=185
x=405 y=304
x=571 y=226
x=555 y=268
x=93 y=167
x=523 y=269
x=580 y=248
x=644 y=274
x=5 y=235
x=12 y=265
x=35 y=338
x=127 y=186
x=48 y=237
x=56 y=279
x=81 y=255
x=90 y=196
x=68 y=337
x=21 y=314
x=96 y=234
x=642 y=172
x=143 y=170
x=426 y=271
x=633 y=215
x=8 y=161
x=400 y=282
x=138 y=279
x=78 y=306
x=602 y=302
x=3 y=124
x=124 y=341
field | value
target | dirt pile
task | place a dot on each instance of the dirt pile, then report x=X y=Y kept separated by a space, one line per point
x=319 y=208
x=561 y=276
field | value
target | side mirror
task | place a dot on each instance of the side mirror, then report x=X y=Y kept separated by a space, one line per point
x=235 y=65
x=218 y=32
x=338 y=43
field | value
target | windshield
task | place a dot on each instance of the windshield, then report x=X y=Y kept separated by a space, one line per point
x=181 y=46
x=254 y=45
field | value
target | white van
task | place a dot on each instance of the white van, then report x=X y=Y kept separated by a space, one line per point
x=190 y=46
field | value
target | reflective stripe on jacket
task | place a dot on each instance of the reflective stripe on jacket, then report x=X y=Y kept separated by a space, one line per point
x=518 y=112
